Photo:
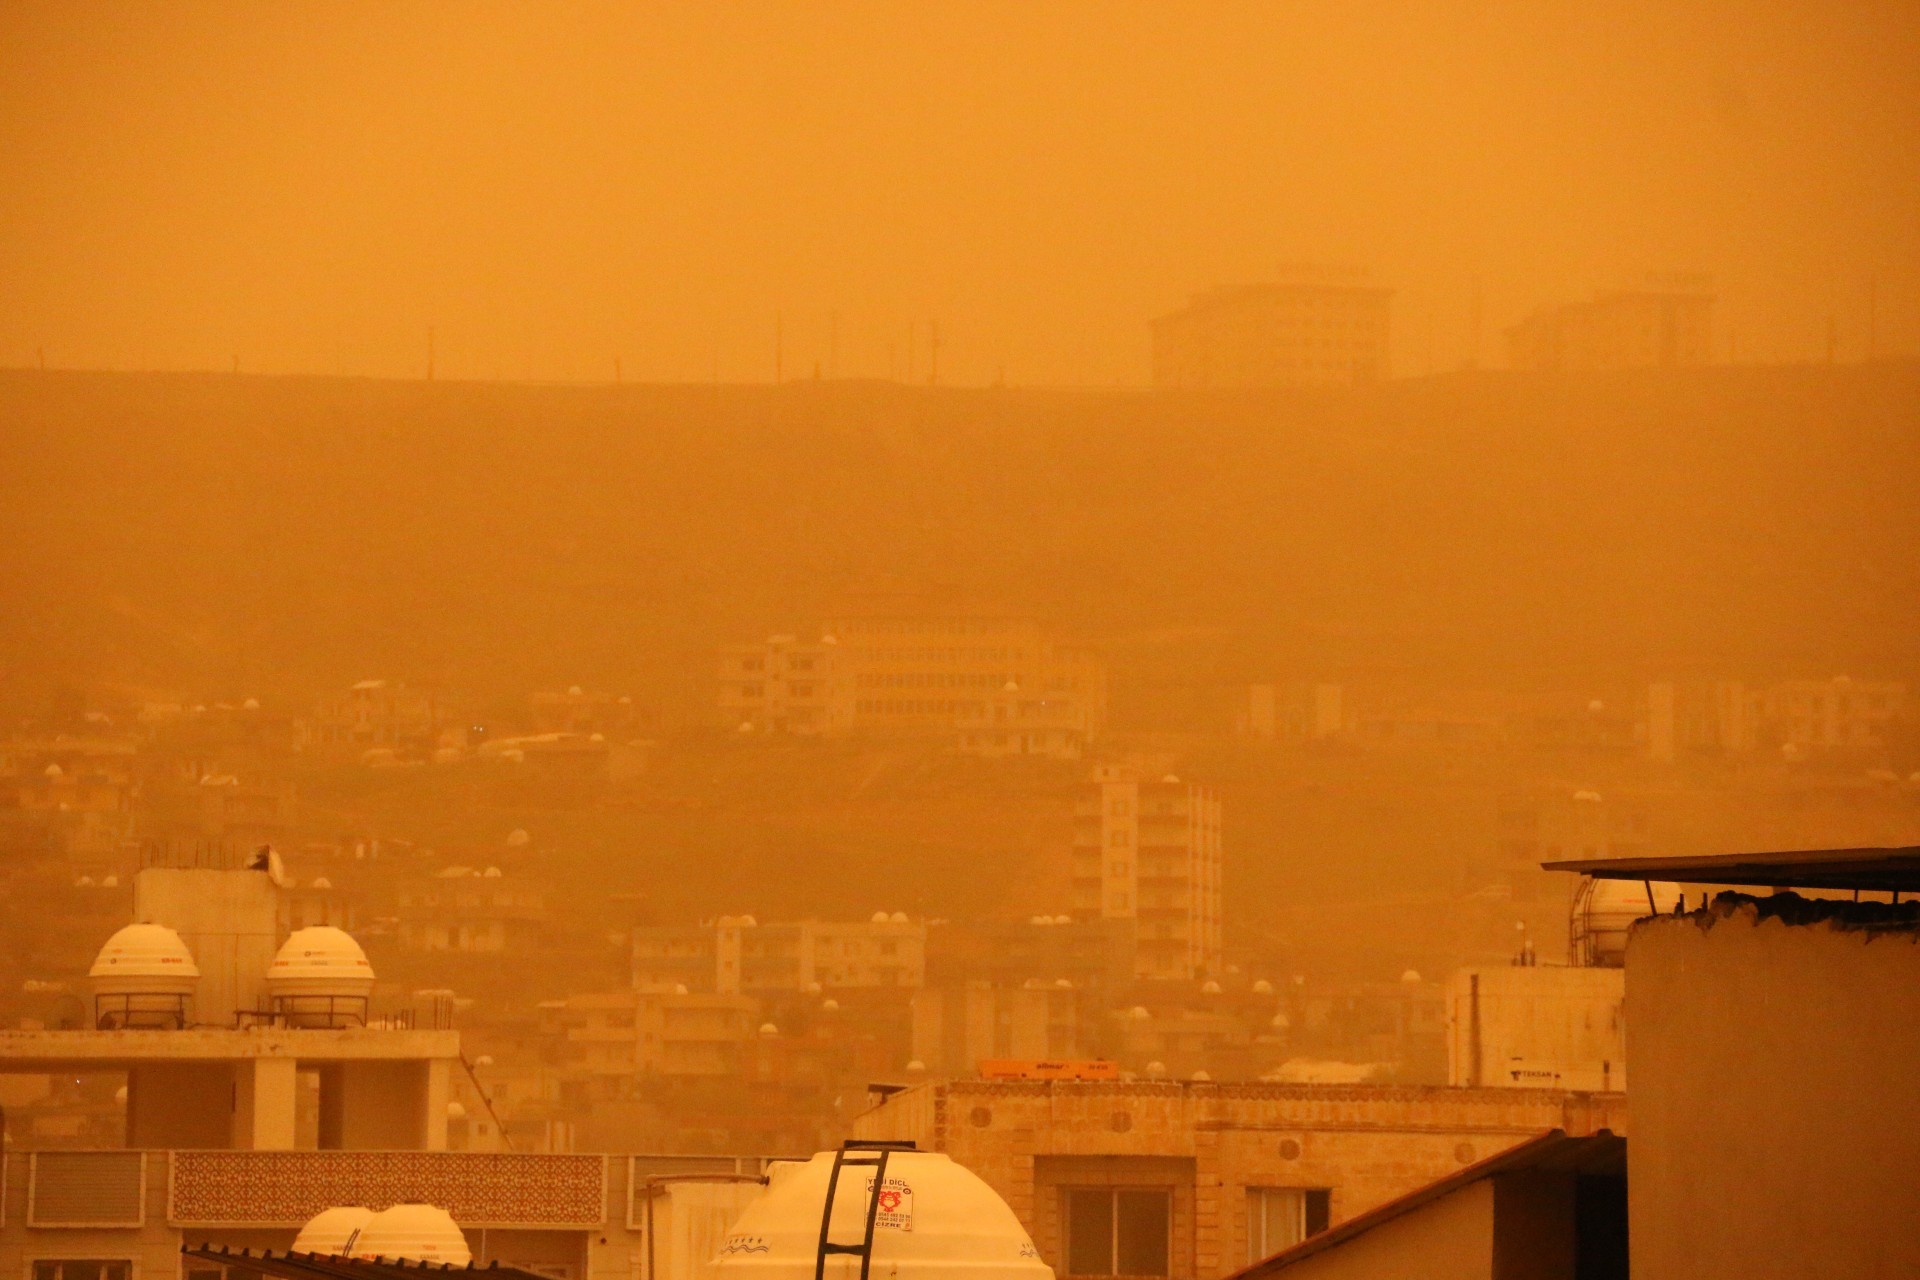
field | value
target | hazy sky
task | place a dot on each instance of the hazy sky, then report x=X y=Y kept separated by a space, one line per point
x=553 y=187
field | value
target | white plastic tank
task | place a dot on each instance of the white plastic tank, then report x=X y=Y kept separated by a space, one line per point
x=935 y=1220
x=1603 y=911
x=144 y=976
x=413 y=1233
x=333 y=1231
x=320 y=978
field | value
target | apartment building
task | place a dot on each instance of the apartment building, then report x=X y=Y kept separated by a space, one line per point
x=1302 y=332
x=1644 y=328
x=1149 y=852
x=995 y=685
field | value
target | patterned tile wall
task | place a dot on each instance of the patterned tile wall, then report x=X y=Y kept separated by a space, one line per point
x=285 y=1188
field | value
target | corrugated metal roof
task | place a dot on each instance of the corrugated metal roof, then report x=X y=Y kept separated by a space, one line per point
x=1888 y=869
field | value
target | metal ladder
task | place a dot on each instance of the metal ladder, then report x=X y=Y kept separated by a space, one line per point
x=856 y=1155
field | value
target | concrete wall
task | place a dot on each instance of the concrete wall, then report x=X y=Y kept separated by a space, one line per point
x=1448 y=1239
x=228 y=919
x=1776 y=1109
x=1554 y=1028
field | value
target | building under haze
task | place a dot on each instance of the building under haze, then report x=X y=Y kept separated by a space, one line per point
x=993 y=684
x=1301 y=332
x=1646 y=328
x=1149 y=852
x=1775 y=1039
x=737 y=954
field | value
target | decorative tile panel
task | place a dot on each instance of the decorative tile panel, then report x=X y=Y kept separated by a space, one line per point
x=285 y=1188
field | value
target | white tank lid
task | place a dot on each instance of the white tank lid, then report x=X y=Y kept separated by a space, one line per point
x=332 y=1231
x=144 y=951
x=416 y=1233
x=321 y=951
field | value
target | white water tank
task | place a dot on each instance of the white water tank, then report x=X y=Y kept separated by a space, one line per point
x=1603 y=911
x=320 y=978
x=143 y=977
x=333 y=1231
x=414 y=1233
x=936 y=1220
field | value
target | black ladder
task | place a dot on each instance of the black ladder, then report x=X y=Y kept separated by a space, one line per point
x=859 y=1155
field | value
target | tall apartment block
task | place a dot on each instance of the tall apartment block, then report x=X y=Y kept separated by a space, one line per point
x=1149 y=852
x=1266 y=335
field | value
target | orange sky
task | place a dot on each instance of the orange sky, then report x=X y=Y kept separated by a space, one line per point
x=554 y=187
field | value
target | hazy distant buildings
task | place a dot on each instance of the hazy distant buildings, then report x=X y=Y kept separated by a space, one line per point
x=1294 y=712
x=998 y=685
x=1297 y=332
x=1659 y=327
x=1793 y=716
x=737 y=954
x=376 y=715
x=1150 y=852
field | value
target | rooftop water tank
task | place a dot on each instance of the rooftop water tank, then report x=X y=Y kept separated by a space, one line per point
x=143 y=977
x=320 y=978
x=414 y=1233
x=332 y=1231
x=1603 y=911
x=935 y=1220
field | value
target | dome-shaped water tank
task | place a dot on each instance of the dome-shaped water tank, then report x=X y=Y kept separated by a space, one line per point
x=935 y=1220
x=332 y=1231
x=320 y=978
x=143 y=977
x=415 y=1233
x=1603 y=911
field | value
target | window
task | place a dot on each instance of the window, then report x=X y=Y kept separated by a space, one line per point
x=82 y=1269
x=1281 y=1217
x=1117 y=1231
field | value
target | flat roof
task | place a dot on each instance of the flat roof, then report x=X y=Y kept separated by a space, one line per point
x=38 y=1051
x=1603 y=1153
x=1895 y=869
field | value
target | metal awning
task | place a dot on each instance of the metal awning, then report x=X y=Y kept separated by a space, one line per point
x=1879 y=870
x=320 y=1266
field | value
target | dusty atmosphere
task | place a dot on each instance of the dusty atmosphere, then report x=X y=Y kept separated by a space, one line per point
x=654 y=589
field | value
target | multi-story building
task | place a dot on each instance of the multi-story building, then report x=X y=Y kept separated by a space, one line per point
x=1298 y=332
x=1000 y=685
x=1619 y=329
x=472 y=910
x=1726 y=716
x=1150 y=853
x=1191 y=1180
x=1299 y=712
x=376 y=715
x=956 y=1027
x=786 y=686
x=580 y=710
x=737 y=954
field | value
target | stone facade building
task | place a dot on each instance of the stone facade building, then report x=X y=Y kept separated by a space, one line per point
x=1193 y=1180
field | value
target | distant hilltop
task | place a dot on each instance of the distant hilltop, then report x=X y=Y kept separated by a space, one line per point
x=161 y=527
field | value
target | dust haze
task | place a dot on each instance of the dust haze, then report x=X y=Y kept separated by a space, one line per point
x=770 y=550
